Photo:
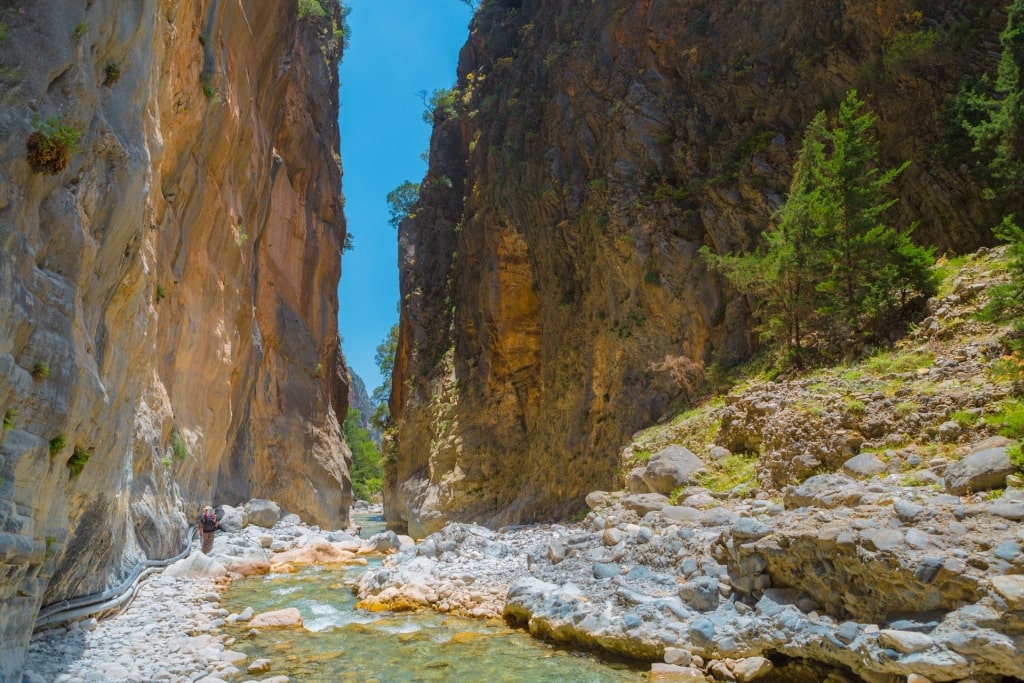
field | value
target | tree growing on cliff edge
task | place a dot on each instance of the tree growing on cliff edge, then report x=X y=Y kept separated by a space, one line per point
x=385 y=359
x=830 y=266
x=401 y=201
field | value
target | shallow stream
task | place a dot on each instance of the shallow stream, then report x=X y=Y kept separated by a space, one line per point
x=340 y=643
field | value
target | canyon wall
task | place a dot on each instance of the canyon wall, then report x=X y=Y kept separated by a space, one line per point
x=168 y=301
x=553 y=297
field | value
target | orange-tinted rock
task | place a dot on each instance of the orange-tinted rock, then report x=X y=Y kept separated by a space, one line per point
x=553 y=297
x=177 y=278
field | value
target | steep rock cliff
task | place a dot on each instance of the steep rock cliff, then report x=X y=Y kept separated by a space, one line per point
x=553 y=300
x=168 y=306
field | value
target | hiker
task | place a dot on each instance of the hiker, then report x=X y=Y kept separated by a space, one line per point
x=208 y=524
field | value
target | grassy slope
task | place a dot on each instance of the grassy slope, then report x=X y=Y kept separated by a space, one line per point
x=905 y=387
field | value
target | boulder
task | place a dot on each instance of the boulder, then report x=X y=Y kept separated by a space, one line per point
x=864 y=466
x=949 y=431
x=751 y=668
x=196 y=565
x=1011 y=589
x=642 y=503
x=681 y=514
x=384 y=542
x=265 y=513
x=908 y=511
x=281 y=618
x=701 y=593
x=1012 y=510
x=979 y=471
x=606 y=570
x=749 y=529
x=670 y=673
x=719 y=453
x=824 y=491
x=905 y=641
x=635 y=481
x=259 y=666
x=671 y=468
x=232 y=519
x=319 y=551
x=556 y=551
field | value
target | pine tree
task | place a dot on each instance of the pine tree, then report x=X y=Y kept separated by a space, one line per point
x=781 y=278
x=1002 y=132
x=866 y=258
x=830 y=258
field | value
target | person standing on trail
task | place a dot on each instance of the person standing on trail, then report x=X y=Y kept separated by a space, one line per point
x=208 y=524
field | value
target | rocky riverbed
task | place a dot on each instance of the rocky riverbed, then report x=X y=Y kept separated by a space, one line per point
x=840 y=580
x=876 y=581
x=173 y=629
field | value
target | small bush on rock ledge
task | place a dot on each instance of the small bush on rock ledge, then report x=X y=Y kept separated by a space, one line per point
x=79 y=457
x=51 y=145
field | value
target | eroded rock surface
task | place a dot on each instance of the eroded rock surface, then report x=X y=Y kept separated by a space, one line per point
x=168 y=306
x=910 y=583
x=553 y=297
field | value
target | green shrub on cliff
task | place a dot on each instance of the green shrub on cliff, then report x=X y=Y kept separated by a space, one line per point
x=79 y=457
x=40 y=371
x=57 y=444
x=1001 y=131
x=736 y=473
x=1009 y=418
x=1016 y=456
x=178 y=445
x=9 y=416
x=310 y=8
x=50 y=146
x=329 y=19
x=385 y=360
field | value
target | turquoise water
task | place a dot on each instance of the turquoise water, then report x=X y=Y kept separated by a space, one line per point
x=369 y=524
x=343 y=644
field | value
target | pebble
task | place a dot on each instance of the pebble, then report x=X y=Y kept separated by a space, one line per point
x=133 y=646
x=170 y=631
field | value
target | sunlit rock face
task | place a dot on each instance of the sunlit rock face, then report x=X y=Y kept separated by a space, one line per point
x=553 y=297
x=168 y=305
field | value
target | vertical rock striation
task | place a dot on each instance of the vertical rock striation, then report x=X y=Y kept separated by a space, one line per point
x=553 y=298
x=168 y=305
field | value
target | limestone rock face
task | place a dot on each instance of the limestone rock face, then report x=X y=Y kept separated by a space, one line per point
x=553 y=297
x=168 y=306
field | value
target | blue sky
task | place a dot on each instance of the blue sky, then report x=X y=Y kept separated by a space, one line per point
x=398 y=48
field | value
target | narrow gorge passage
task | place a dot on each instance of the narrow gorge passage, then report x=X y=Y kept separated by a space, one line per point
x=688 y=332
